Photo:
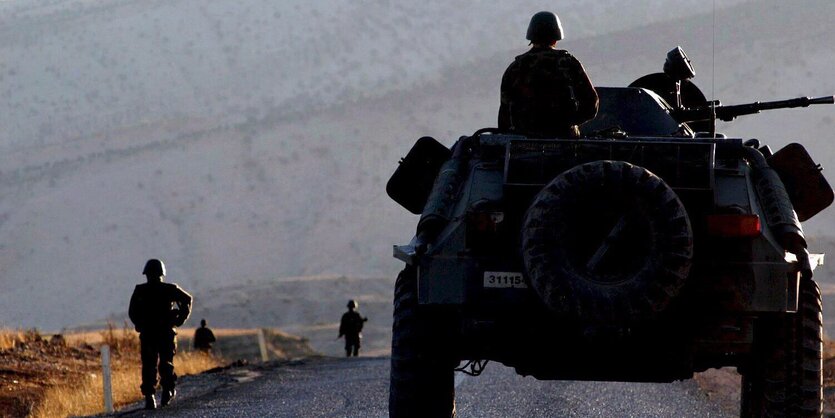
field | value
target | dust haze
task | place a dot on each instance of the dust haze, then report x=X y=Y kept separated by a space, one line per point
x=249 y=142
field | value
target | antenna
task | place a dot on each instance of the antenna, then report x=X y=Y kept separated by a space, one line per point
x=713 y=75
x=713 y=52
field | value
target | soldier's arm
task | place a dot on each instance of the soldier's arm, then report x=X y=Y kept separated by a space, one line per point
x=183 y=299
x=342 y=325
x=504 y=108
x=584 y=91
x=504 y=117
x=135 y=310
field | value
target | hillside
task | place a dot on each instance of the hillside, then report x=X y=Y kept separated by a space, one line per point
x=76 y=69
x=306 y=306
x=250 y=141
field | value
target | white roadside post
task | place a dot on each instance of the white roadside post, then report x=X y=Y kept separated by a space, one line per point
x=262 y=344
x=108 y=391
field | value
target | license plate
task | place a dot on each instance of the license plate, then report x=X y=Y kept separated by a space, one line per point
x=504 y=279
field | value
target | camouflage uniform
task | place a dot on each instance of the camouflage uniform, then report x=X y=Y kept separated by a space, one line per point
x=546 y=92
x=152 y=313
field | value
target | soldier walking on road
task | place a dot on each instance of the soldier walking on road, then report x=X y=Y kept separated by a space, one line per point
x=156 y=309
x=351 y=328
x=204 y=338
x=545 y=91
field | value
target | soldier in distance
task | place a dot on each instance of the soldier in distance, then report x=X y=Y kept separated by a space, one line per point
x=351 y=327
x=204 y=338
x=546 y=92
x=156 y=309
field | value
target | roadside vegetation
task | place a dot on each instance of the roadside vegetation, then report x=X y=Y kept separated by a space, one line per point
x=60 y=375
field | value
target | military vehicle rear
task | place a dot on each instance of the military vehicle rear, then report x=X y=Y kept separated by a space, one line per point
x=644 y=251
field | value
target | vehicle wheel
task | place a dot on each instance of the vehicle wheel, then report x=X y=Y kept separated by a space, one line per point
x=785 y=375
x=750 y=396
x=808 y=397
x=607 y=242
x=422 y=373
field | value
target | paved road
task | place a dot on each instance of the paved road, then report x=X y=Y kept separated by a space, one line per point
x=359 y=388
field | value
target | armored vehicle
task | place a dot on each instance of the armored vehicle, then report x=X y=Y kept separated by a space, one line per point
x=644 y=251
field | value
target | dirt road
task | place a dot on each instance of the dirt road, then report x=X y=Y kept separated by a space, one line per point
x=330 y=387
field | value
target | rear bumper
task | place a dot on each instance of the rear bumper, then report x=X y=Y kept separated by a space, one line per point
x=733 y=288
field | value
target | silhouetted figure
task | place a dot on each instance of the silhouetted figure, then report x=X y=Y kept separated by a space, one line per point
x=546 y=92
x=204 y=338
x=351 y=328
x=156 y=309
x=674 y=85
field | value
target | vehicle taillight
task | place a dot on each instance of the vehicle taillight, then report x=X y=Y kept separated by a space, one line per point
x=734 y=225
x=486 y=221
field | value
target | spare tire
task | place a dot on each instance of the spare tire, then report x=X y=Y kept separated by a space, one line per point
x=607 y=242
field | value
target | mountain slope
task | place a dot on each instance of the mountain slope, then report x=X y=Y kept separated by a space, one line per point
x=251 y=141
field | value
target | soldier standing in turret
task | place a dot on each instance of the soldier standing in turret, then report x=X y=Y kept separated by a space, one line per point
x=156 y=309
x=351 y=328
x=546 y=92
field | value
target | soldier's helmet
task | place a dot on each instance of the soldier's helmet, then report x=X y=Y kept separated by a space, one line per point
x=545 y=27
x=352 y=304
x=154 y=268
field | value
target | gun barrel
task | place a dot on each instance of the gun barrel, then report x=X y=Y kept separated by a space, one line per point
x=729 y=113
x=798 y=102
x=823 y=100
